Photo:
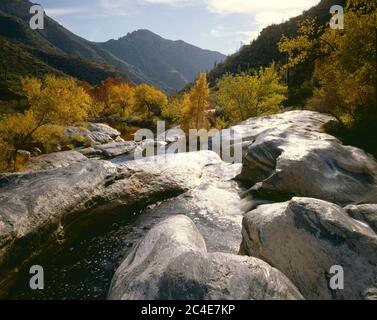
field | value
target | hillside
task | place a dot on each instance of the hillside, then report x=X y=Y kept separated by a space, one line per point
x=170 y=64
x=59 y=51
x=263 y=51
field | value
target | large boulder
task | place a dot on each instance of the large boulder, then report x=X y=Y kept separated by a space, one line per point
x=304 y=238
x=290 y=155
x=44 y=209
x=54 y=160
x=172 y=262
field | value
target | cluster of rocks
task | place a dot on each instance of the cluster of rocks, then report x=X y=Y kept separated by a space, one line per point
x=311 y=205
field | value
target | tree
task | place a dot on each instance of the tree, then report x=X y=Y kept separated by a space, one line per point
x=121 y=100
x=53 y=102
x=149 y=100
x=345 y=64
x=242 y=96
x=175 y=109
x=194 y=114
x=100 y=96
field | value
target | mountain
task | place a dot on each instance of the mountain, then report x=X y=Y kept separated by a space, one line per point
x=170 y=65
x=264 y=50
x=140 y=56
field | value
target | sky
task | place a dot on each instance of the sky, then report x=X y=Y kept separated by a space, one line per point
x=220 y=25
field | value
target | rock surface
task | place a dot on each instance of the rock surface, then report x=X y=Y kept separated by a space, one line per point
x=43 y=208
x=104 y=129
x=96 y=134
x=172 y=262
x=304 y=238
x=366 y=213
x=54 y=160
x=116 y=149
x=290 y=155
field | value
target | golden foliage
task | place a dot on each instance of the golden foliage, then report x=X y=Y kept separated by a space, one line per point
x=195 y=108
x=243 y=96
x=345 y=63
x=53 y=102
x=149 y=100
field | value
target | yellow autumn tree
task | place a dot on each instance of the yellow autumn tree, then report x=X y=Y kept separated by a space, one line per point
x=345 y=64
x=243 y=96
x=149 y=100
x=174 y=110
x=121 y=100
x=53 y=102
x=195 y=112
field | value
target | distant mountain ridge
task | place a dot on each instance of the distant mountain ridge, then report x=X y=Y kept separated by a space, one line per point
x=173 y=63
x=141 y=56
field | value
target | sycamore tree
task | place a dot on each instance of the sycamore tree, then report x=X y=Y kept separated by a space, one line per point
x=242 y=96
x=345 y=63
x=53 y=102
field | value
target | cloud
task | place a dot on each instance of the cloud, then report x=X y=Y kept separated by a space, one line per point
x=176 y=3
x=255 y=6
x=262 y=13
x=237 y=36
x=64 y=11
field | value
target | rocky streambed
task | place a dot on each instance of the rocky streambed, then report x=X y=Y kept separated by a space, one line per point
x=193 y=226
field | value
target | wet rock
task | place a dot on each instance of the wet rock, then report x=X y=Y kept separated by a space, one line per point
x=214 y=205
x=290 y=155
x=54 y=160
x=42 y=209
x=172 y=262
x=305 y=237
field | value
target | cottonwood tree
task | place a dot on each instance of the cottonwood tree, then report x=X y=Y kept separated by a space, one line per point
x=122 y=100
x=242 y=96
x=53 y=102
x=149 y=100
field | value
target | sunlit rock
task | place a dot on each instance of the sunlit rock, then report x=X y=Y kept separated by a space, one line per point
x=290 y=155
x=172 y=262
x=304 y=238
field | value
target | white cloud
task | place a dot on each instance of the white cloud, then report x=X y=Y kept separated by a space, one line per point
x=255 y=6
x=262 y=12
x=235 y=36
x=55 y=12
